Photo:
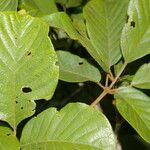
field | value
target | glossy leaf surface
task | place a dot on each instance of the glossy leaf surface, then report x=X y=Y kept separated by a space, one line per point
x=142 y=77
x=134 y=106
x=61 y=20
x=135 y=39
x=39 y=8
x=76 y=69
x=8 y=5
x=76 y=126
x=105 y=20
x=27 y=65
x=8 y=140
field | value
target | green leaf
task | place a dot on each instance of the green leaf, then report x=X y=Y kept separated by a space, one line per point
x=76 y=126
x=8 y=140
x=61 y=20
x=69 y=3
x=142 y=77
x=76 y=69
x=79 y=23
x=104 y=21
x=8 y=5
x=39 y=8
x=27 y=66
x=134 y=106
x=135 y=39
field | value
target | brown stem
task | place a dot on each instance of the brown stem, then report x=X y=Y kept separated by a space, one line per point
x=103 y=94
x=118 y=75
x=109 y=88
x=106 y=82
x=99 y=84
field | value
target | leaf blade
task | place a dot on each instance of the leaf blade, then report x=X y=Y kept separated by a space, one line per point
x=64 y=127
x=76 y=69
x=134 y=107
x=6 y=5
x=22 y=65
x=61 y=20
x=142 y=77
x=8 y=140
x=39 y=8
x=104 y=21
x=135 y=36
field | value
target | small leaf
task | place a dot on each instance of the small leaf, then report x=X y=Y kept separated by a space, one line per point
x=6 y=5
x=135 y=39
x=8 y=140
x=75 y=127
x=27 y=66
x=38 y=8
x=76 y=69
x=134 y=106
x=142 y=77
x=105 y=20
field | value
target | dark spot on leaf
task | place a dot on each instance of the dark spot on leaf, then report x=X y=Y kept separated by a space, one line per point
x=8 y=134
x=132 y=24
x=127 y=19
x=16 y=102
x=21 y=107
x=80 y=63
x=33 y=109
x=26 y=89
x=29 y=101
x=29 y=53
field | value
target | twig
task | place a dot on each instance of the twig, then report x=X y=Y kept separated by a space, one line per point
x=104 y=93
x=99 y=84
x=109 y=88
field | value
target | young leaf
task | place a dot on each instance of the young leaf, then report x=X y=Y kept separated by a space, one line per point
x=27 y=66
x=61 y=20
x=8 y=5
x=134 y=106
x=142 y=77
x=76 y=126
x=135 y=39
x=39 y=8
x=104 y=21
x=8 y=140
x=76 y=69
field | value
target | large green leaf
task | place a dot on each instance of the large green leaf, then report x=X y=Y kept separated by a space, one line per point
x=105 y=20
x=8 y=140
x=27 y=66
x=142 y=77
x=38 y=8
x=134 y=106
x=62 y=20
x=8 y=5
x=136 y=33
x=75 y=127
x=76 y=69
